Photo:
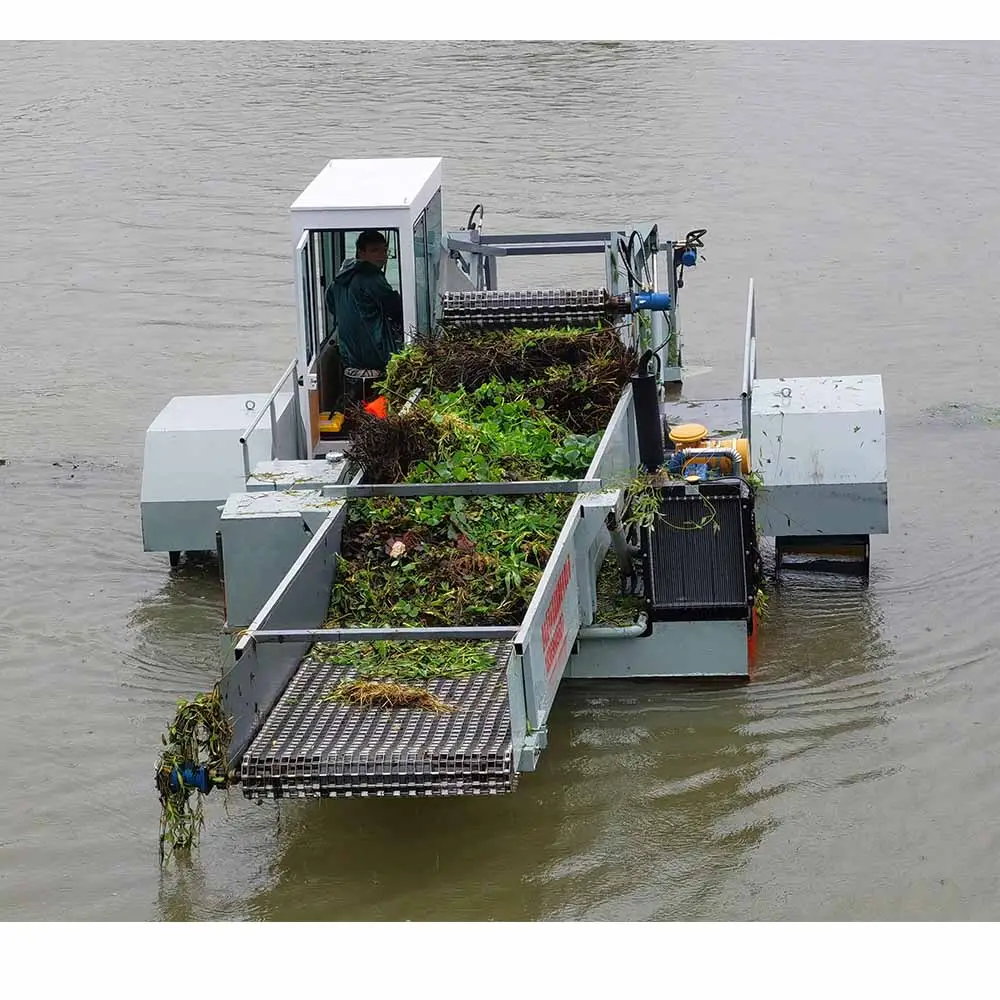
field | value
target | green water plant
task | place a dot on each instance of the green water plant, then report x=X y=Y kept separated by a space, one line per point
x=496 y=432
x=413 y=662
x=199 y=737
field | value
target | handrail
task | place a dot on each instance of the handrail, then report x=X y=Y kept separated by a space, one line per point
x=484 y=632
x=749 y=359
x=290 y=372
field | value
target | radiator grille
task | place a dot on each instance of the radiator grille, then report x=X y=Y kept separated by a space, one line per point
x=697 y=555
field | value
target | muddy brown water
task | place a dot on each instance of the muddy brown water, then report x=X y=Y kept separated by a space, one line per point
x=145 y=252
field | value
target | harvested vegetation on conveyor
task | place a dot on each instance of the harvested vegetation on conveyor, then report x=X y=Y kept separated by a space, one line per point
x=519 y=405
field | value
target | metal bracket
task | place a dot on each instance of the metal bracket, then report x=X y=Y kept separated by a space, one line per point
x=534 y=744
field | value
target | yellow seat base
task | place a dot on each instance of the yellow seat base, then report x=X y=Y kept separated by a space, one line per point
x=331 y=423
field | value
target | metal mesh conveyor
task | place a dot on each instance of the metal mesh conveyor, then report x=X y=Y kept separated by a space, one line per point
x=496 y=310
x=314 y=748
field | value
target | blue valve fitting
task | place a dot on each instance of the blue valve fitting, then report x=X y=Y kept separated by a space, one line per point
x=689 y=258
x=654 y=301
x=193 y=777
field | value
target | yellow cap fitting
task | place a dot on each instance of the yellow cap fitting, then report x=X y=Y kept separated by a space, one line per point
x=688 y=435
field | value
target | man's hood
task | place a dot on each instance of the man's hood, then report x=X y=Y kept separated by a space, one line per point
x=352 y=267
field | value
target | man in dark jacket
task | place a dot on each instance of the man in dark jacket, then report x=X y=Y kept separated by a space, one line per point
x=369 y=314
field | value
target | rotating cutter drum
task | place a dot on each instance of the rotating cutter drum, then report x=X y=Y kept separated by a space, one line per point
x=498 y=310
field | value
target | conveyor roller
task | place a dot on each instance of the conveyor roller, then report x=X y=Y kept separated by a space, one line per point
x=496 y=310
x=507 y=310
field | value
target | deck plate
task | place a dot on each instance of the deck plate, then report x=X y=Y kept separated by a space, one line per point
x=722 y=417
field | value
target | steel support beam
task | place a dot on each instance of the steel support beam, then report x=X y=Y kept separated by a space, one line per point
x=526 y=488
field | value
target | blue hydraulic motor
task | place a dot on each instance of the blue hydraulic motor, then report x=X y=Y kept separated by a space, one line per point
x=199 y=778
x=647 y=301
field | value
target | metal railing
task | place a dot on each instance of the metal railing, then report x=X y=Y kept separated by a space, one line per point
x=749 y=360
x=291 y=372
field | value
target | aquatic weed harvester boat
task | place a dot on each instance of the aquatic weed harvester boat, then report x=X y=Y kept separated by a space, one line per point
x=537 y=500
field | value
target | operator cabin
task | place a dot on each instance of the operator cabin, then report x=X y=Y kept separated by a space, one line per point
x=391 y=284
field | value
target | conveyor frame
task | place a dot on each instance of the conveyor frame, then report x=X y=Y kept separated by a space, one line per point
x=272 y=665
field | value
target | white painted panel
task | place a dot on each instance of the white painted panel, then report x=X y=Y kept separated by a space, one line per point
x=193 y=447
x=371 y=183
x=819 y=431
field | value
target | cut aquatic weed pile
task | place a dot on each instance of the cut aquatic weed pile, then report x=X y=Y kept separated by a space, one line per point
x=521 y=404
x=386 y=694
x=386 y=448
x=443 y=561
x=494 y=433
x=395 y=674
x=415 y=662
x=518 y=405
x=437 y=561
x=579 y=373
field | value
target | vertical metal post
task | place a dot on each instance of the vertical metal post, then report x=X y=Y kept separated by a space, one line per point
x=635 y=269
x=301 y=432
x=274 y=429
x=648 y=421
x=674 y=343
x=749 y=360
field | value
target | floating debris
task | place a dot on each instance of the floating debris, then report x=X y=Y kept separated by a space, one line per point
x=965 y=414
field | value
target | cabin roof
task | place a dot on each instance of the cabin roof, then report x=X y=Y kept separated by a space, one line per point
x=368 y=184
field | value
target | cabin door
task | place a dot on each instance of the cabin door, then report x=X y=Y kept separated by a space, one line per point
x=310 y=306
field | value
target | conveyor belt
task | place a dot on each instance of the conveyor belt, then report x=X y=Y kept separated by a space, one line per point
x=496 y=310
x=314 y=748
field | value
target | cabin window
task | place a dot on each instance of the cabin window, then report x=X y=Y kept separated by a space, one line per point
x=338 y=245
x=427 y=254
x=422 y=273
x=434 y=228
x=311 y=314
